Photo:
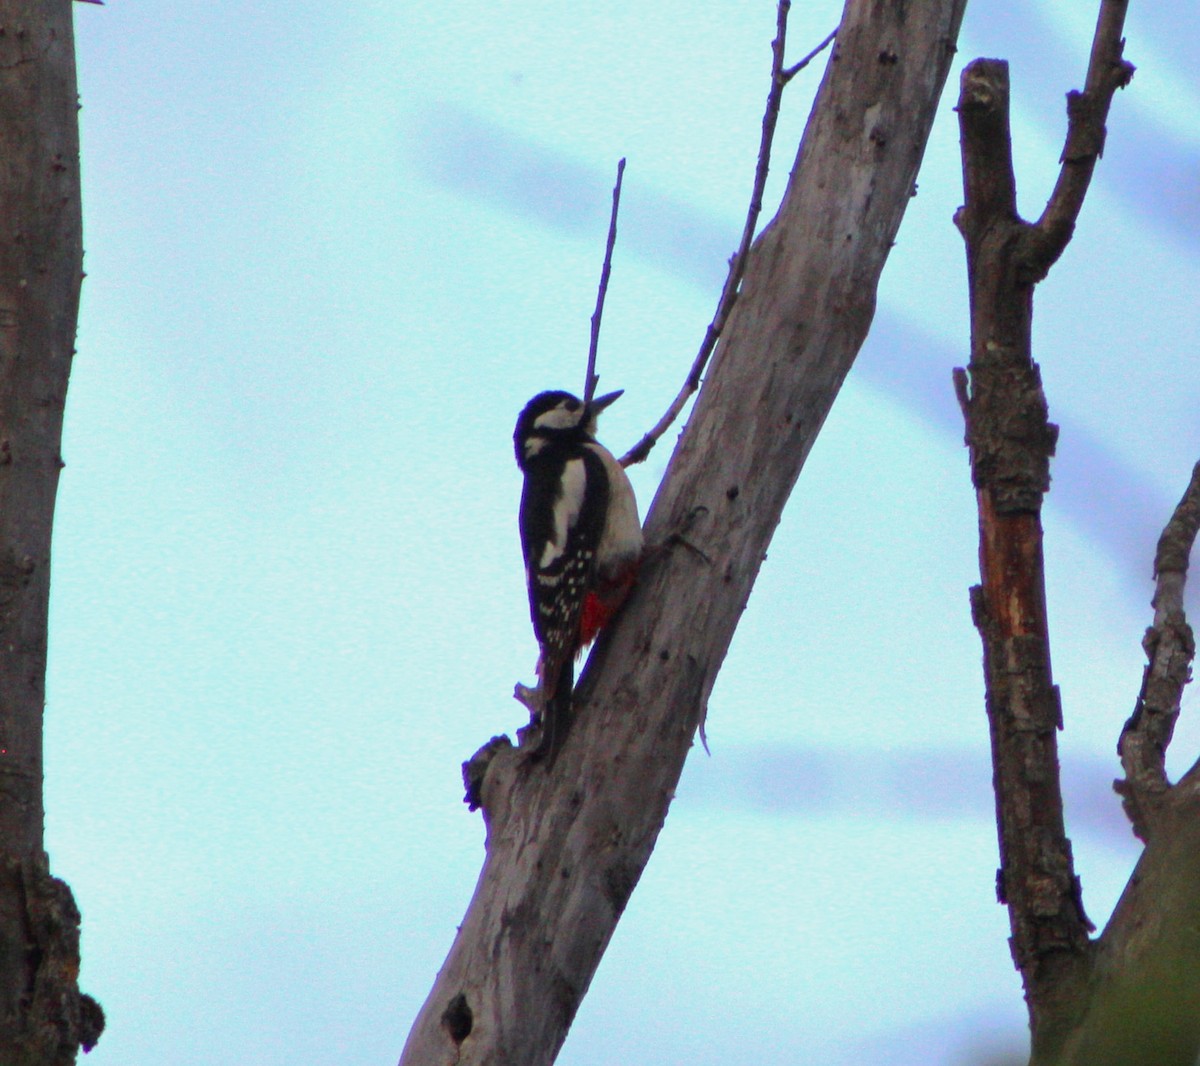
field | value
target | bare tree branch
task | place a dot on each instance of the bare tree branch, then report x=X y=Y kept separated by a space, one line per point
x=589 y=387
x=1011 y=441
x=737 y=265
x=1087 y=112
x=1170 y=647
x=989 y=185
x=788 y=74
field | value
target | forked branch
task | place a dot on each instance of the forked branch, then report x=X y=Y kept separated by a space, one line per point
x=1011 y=442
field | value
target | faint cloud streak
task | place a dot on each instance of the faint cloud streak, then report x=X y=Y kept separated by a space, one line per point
x=921 y=784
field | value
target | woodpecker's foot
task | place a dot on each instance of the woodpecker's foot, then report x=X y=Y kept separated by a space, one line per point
x=534 y=738
x=530 y=699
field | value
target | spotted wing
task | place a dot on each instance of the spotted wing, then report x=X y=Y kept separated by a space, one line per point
x=561 y=519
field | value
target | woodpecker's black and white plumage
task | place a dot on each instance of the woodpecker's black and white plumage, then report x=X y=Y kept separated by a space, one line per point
x=580 y=535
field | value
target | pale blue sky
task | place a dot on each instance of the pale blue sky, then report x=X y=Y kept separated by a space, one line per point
x=331 y=251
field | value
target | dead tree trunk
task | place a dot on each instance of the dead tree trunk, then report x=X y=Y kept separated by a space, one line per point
x=566 y=847
x=1132 y=996
x=43 y=1018
x=1011 y=442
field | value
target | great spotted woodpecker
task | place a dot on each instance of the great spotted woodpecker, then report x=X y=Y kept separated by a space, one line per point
x=580 y=536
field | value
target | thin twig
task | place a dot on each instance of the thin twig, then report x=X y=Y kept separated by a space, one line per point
x=1170 y=647
x=795 y=69
x=589 y=387
x=737 y=265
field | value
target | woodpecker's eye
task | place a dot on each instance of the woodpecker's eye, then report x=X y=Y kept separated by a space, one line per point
x=564 y=415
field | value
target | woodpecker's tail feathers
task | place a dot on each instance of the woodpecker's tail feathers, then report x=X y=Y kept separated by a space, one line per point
x=555 y=710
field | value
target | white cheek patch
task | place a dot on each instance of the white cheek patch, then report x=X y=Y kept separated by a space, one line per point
x=566 y=511
x=558 y=418
x=533 y=445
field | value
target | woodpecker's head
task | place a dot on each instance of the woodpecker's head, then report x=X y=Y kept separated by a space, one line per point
x=556 y=418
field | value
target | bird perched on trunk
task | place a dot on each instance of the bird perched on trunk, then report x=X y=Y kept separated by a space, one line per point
x=580 y=535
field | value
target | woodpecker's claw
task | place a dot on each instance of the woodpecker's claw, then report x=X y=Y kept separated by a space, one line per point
x=538 y=737
x=528 y=698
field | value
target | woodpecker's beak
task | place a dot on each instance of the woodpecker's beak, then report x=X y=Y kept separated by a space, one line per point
x=598 y=404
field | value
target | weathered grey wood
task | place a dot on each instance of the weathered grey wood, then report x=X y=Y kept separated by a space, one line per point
x=565 y=847
x=42 y=1016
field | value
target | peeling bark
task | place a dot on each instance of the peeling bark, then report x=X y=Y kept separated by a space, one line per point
x=1011 y=441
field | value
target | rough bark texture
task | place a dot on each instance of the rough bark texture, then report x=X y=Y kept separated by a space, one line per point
x=1143 y=1002
x=1131 y=997
x=1170 y=647
x=43 y=1019
x=1011 y=441
x=566 y=846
